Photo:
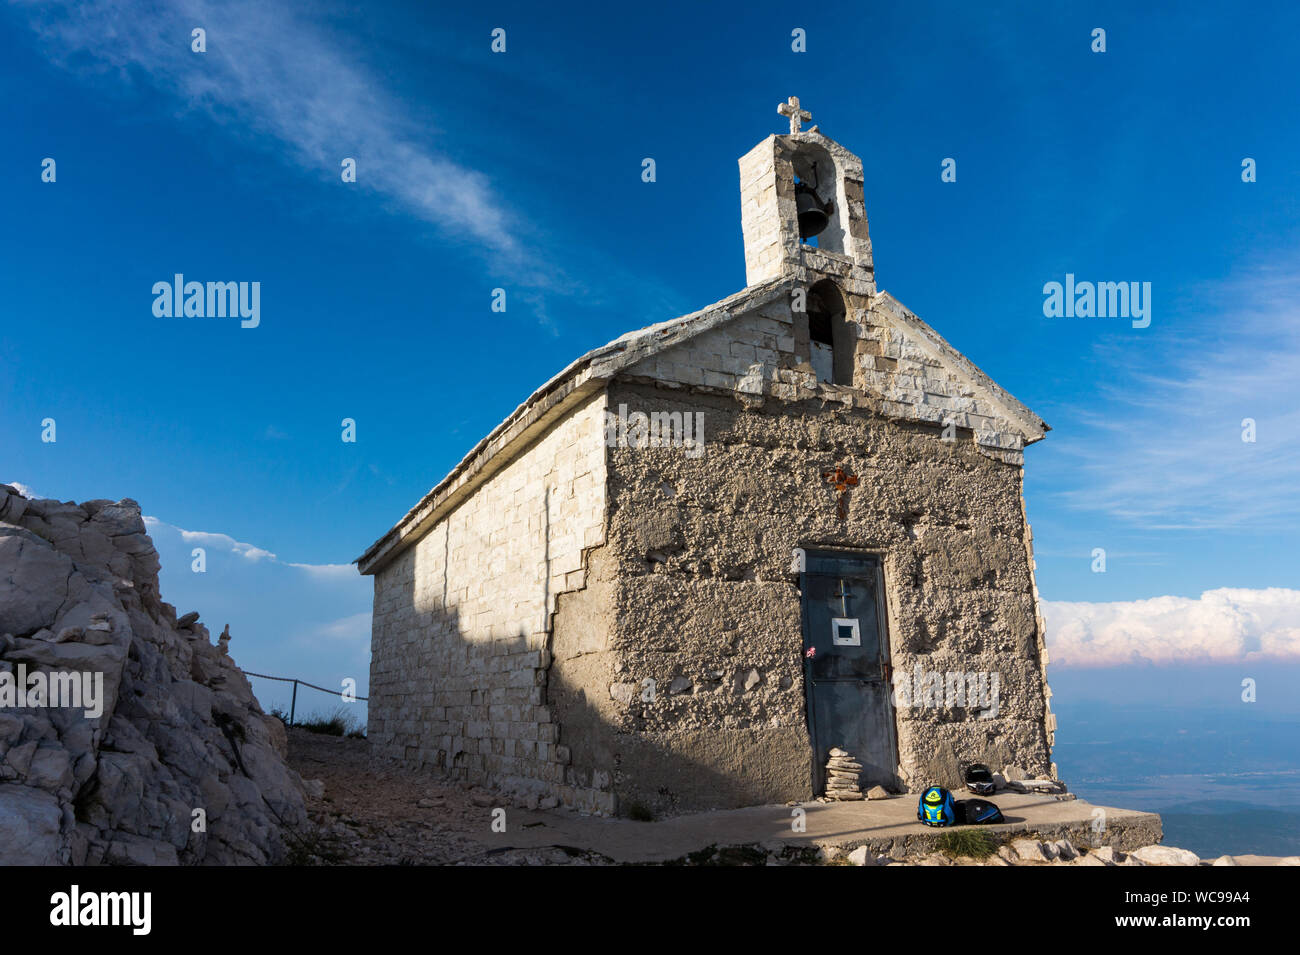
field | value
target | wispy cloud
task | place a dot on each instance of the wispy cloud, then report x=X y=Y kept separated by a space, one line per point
x=212 y=540
x=272 y=71
x=250 y=552
x=1224 y=625
x=1164 y=450
x=328 y=571
x=275 y=73
x=353 y=629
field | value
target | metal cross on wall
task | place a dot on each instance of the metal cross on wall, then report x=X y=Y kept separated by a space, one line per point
x=841 y=480
x=791 y=109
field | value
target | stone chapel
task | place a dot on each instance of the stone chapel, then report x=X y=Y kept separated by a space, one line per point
x=702 y=556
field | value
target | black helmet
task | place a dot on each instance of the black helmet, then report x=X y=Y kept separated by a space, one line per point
x=979 y=780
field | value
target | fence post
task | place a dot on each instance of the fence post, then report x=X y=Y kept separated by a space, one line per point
x=293 y=704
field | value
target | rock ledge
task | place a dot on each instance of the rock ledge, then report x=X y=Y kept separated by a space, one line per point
x=175 y=763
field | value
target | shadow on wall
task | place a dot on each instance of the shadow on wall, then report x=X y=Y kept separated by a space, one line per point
x=500 y=713
x=698 y=549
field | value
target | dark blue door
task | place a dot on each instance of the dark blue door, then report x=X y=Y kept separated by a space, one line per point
x=846 y=664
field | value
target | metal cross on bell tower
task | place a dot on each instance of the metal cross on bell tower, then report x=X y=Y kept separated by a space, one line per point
x=797 y=116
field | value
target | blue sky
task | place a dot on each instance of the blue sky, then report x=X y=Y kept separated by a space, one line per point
x=521 y=170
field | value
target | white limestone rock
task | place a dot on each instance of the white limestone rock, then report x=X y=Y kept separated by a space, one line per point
x=1029 y=850
x=827 y=854
x=862 y=856
x=179 y=731
x=1165 y=855
x=1049 y=786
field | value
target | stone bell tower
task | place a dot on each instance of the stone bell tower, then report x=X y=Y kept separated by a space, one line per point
x=804 y=177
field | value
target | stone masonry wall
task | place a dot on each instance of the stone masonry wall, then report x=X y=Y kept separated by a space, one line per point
x=459 y=643
x=897 y=372
x=672 y=676
x=704 y=604
x=768 y=209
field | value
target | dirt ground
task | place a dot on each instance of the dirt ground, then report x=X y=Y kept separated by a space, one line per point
x=376 y=813
x=371 y=814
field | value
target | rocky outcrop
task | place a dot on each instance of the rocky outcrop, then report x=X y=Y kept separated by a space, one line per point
x=166 y=756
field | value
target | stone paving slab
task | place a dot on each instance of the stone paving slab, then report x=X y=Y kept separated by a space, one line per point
x=887 y=826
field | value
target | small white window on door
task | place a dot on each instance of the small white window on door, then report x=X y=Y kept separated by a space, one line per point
x=844 y=632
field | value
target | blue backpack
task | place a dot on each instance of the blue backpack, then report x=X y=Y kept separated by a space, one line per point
x=936 y=807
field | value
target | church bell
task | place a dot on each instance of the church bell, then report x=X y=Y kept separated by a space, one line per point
x=813 y=215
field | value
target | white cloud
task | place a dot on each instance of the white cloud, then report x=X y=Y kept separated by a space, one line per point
x=1223 y=625
x=212 y=540
x=273 y=72
x=329 y=571
x=226 y=542
x=251 y=552
x=24 y=490
x=1164 y=448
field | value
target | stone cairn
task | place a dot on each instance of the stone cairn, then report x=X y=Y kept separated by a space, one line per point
x=842 y=776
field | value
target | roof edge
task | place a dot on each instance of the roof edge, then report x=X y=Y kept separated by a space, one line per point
x=1018 y=410
x=583 y=375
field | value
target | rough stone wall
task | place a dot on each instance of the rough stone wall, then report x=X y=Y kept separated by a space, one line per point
x=898 y=371
x=741 y=354
x=464 y=679
x=914 y=379
x=704 y=604
x=459 y=652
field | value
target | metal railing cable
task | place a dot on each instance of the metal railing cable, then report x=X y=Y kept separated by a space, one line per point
x=293 y=703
